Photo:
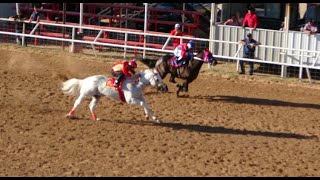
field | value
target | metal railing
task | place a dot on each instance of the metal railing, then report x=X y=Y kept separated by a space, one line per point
x=279 y=47
x=226 y=46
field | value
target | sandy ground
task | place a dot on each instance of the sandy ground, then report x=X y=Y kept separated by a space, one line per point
x=229 y=125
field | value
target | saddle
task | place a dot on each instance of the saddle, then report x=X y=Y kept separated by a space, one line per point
x=110 y=82
x=174 y=63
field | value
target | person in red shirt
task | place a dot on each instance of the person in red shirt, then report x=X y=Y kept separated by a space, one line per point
x=176 y=32
x=250 y=19
x=122 y=70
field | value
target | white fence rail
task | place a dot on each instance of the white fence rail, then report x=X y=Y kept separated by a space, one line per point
x=301 y=51
x=291 y=48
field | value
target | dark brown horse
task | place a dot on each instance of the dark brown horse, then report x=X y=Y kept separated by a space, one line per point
x=187 y=72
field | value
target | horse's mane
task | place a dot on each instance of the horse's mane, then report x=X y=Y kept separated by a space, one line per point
x=151 y=63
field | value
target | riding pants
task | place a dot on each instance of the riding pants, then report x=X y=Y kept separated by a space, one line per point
x=242 y=67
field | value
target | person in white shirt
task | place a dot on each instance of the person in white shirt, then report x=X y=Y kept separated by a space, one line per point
x=310 y=28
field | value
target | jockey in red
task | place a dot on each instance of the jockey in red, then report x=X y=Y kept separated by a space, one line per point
x=122 y=70
x=184 y=51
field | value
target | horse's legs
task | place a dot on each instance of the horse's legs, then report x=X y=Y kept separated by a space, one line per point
x=179 y=89
x=172 y=79
x=185 y=86
x=75 y=105
x=93 y=105
x=148 y=112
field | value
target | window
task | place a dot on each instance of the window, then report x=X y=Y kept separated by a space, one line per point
x=267 y=10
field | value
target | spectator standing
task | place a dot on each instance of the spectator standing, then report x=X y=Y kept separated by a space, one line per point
x=282 y=27
x=19 y=18
x=35 y=16
x=250 y=19
x=232 y=21
x=248 y=52
x=310 y=28
x=176 y=32
x=239 y=18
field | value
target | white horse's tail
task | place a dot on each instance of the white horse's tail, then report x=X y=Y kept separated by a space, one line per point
x=71 y=87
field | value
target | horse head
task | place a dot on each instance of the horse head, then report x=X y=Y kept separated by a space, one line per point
x=206 y=56
x=152 y=77
x=161 y=64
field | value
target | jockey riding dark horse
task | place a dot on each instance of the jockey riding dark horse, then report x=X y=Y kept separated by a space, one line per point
x=187 y=72
x=182 y=55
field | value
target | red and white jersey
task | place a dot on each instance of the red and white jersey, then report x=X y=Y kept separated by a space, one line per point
x=181 y=50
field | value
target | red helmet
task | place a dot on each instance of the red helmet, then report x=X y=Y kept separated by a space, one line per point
x=133 y=63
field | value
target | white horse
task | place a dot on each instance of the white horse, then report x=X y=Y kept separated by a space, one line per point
x=96 y=87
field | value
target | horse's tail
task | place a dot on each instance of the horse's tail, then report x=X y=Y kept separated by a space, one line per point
x=71 y=87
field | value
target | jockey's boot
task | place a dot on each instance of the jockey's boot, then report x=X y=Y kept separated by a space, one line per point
x=116 y=83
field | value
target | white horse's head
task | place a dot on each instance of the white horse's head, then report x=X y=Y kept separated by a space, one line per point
x=152 y=77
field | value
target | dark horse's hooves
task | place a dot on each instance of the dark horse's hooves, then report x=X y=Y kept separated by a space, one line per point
x=180 y=88
x=162 y=87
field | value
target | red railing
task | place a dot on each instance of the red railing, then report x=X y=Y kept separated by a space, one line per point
x=191 y=28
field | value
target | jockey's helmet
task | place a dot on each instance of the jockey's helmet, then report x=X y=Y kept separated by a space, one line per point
x=177 y=26
x=190 y=44
x=133 y=63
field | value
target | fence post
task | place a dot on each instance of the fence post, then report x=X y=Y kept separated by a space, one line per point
x=23 y=32
x=72 y=43
x=125 y=44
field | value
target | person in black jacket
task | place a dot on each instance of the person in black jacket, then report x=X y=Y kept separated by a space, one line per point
x=249 y=47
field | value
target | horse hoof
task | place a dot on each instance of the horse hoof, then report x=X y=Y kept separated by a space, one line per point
x=68 y=116
x=154 y=119
x=157 y=121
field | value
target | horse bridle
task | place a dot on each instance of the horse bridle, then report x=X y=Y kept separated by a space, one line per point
x=200 y=59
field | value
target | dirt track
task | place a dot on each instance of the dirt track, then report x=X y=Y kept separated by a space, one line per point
x=228 y=126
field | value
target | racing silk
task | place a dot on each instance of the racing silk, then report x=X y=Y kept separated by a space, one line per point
x=181 y=51
x=176 y=41
x=122 y=66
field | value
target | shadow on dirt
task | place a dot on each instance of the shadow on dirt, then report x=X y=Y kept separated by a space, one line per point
x=256 y=101
x=223 y=130
x=219 y=130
